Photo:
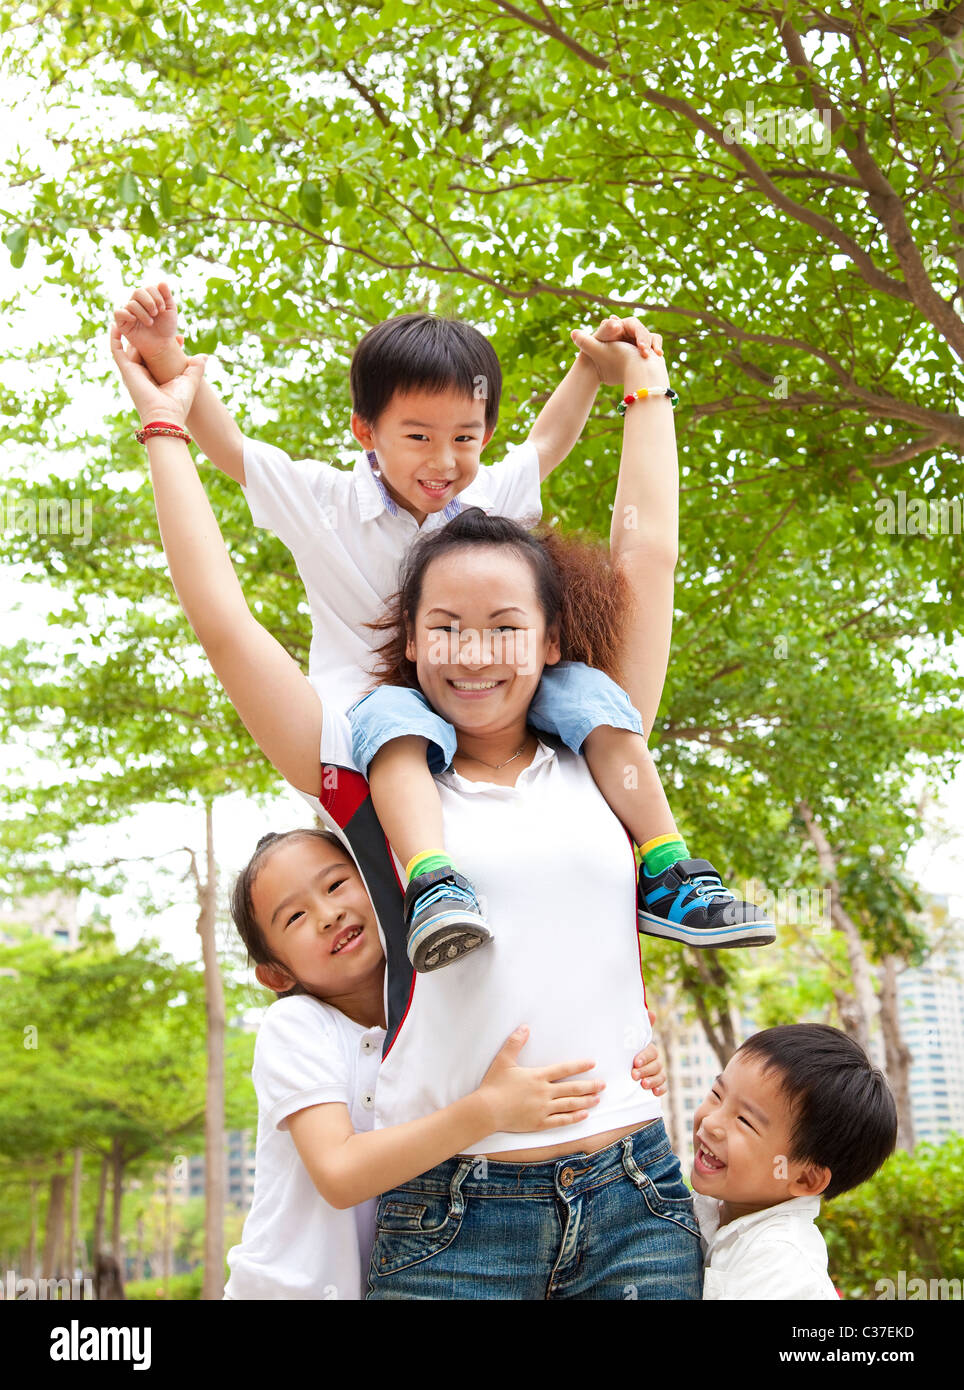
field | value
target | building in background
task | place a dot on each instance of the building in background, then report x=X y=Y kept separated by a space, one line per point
x=53 y=915
x=932 y=1021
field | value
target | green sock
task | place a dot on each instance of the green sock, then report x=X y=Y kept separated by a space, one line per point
x=426 y=862
x=660 y=853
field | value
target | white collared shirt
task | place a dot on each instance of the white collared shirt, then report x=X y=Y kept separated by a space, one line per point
x=776 y=1253
x=349 y=538
x=294 y=1245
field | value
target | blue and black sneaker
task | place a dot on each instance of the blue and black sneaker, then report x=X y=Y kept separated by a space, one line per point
x=687 y=902
x=443 y=919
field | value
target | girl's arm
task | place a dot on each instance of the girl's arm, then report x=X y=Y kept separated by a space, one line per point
x=270 y=693
x=348 y=1168
x=644 y=537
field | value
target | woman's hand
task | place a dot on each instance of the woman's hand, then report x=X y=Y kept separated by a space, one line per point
x=524 y=1099
x=171 y=402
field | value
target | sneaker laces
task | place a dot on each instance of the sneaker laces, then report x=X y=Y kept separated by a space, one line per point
x=710 y=888
x=438 y=891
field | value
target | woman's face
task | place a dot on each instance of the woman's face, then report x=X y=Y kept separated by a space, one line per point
x=479 y=641
x=317 y=919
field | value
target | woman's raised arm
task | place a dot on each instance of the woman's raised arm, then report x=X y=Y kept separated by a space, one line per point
x=644 y=537
x=265 y=685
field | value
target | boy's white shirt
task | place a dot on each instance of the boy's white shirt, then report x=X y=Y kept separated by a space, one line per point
x=295 y=1245
x=348 y=538
x=777 y=1253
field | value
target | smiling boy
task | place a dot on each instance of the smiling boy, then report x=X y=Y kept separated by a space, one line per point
x=799 y=1113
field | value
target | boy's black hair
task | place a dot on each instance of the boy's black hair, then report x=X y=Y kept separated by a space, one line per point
x=843 y=1113
x=423 y=352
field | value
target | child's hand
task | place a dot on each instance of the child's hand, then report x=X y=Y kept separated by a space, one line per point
x=170 y=403
x=624 y=353
x=524 y=1099
x=648 y=1066
x=149 y=321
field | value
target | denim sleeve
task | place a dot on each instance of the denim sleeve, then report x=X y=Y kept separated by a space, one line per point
x=392 y=712
x=572 y=699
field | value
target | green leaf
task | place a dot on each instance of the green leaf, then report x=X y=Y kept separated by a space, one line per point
x=242 y=132
x=164 y=200
x=309 y=196
x=199 y=175
x=343 y=193
x=147 y=221
x=127 y=189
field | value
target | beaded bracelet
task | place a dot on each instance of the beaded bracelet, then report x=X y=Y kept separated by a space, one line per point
x=641 y=395
x=162 y=427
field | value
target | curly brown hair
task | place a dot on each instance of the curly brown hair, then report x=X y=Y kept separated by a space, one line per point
x=580 y=592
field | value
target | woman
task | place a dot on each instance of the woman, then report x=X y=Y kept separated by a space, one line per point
x=604 y=1214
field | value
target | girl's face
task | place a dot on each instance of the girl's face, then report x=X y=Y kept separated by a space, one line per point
x=479 y=641
x=317 y=919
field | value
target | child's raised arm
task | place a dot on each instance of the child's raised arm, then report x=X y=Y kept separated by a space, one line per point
x=348 y=1168
x=644 y=536
x=149 y=323
x=563 y=417
x=270 y=693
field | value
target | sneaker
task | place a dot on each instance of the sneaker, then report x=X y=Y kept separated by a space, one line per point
x=687 y=902
x=443 y=919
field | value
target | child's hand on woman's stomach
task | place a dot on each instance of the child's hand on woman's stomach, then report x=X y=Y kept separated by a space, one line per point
x=648 y=1067
x=525 y=1099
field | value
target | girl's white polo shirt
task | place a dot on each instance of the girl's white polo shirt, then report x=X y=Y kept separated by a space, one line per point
x=294 y=1245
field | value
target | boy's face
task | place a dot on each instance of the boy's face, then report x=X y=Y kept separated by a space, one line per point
x=317 y=919
x=741 y=1138
x=428 y=446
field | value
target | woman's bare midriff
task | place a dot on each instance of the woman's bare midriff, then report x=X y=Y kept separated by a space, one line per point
x=590 y=1145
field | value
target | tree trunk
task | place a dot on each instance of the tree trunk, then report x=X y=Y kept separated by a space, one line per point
x=213 y=1287
x=859 y=1017
x=72 y=1261
x=31 y=1269
x=718 y=1024
x=117 y=1193
x=54 y=1234
x=139 y=1250
x=898 y=1055
x=101 y=1208
x=167 y=1266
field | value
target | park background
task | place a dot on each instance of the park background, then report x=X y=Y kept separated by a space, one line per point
x=779 y=191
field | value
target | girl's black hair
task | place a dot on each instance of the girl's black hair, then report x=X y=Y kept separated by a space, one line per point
x=242 y=908
x=423 y=352
x=843 y=1115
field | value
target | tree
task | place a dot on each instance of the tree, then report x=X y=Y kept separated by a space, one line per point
x=778 y=189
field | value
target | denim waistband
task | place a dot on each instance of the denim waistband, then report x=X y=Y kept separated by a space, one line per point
x=477 y=1176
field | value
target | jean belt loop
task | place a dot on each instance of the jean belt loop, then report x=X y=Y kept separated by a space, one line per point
x=456 y=1199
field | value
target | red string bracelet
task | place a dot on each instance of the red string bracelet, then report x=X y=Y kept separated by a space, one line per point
x=162 y=427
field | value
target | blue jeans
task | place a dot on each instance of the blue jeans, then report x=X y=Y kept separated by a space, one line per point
x=617 y=1224
x=570 y=701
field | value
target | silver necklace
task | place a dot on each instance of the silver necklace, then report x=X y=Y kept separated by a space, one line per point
x=494 y=767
